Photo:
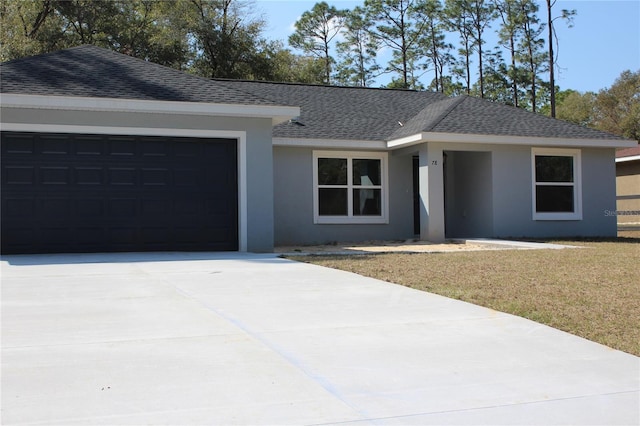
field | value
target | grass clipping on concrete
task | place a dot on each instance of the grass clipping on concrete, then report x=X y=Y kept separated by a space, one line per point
x=593 y=292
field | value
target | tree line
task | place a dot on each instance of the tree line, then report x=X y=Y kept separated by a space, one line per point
x=438 y=45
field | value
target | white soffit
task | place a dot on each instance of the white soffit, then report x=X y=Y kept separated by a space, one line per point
x=276 y=113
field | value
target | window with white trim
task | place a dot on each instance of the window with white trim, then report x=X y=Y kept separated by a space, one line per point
x=350 y=187
x=557 y=186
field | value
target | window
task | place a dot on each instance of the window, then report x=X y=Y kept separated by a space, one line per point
x=349 y=187
x=556 y=184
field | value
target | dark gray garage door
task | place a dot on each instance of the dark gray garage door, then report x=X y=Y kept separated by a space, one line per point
x=70 y=193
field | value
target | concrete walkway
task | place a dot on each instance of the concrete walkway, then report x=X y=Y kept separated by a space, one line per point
x=254 y=339
x=416 y=246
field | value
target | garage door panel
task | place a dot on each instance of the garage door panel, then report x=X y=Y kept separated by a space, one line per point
x=89 y=145
x=19 y=175
x=74 y=193
x=53 y=145
x=89 y=175
x=19 y=144
x=52 y=175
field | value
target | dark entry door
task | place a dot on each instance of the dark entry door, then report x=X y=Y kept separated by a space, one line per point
x=66 y=193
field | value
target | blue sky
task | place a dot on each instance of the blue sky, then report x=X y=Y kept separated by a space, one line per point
x=604 y=41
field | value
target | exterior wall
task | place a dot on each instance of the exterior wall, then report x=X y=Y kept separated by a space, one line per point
x=512 y=203
x=628 y=192
x=259 y=163
x=492 y=183
x=469 y=194
x=293 y=183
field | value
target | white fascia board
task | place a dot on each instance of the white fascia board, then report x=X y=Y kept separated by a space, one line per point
x=508 y=140
x=276 y=113
x=406 y=141
x=631 y=158
x=331 y=143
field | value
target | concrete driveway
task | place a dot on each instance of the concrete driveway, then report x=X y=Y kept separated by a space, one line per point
x=254 y=339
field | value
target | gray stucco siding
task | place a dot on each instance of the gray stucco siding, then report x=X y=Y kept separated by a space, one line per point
x=293 y=195
x=259 y=163
x=513 y=202
x=491 y=184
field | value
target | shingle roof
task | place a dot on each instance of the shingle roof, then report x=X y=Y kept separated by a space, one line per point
x=350 y=113
x=90 y=71
x=479 y=116
x=327 y=112
x=628 y=152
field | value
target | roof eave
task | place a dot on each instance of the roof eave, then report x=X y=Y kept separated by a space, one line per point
x=350 y=144
x=507 y=140
x=277 y=113
x=630 y=158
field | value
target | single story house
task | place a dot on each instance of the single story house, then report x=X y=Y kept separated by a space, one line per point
x=628 y=186
x=105 y=152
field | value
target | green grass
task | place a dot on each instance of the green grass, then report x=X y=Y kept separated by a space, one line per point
x=593 y=292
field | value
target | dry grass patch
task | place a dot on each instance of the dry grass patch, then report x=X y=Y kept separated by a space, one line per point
x=593 y=292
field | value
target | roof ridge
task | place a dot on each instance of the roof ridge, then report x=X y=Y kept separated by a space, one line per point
x=328 y=86
x=454 y=102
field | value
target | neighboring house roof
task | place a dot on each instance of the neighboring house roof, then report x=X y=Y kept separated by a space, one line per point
x=89 y=71
x=327 y=112
x=628 y=154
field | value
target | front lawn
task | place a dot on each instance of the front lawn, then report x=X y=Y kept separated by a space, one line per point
x=593 y=292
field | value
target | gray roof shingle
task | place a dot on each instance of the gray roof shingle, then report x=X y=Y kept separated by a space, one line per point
x=327 y=112
x=350 y=113
x=479 y=116
x=90 y=71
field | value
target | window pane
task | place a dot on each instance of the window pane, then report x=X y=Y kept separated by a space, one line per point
x=366 y=172
x=554 y=199
x=332 y=171
x=367 y=202
x=554 y=168
x=332 y=201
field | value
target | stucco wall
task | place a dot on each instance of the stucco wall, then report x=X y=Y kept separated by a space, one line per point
x=512 y=203
x=469 y=194
x=293 y=189
x=628 y=191
x=259 y=163
x=493 y=184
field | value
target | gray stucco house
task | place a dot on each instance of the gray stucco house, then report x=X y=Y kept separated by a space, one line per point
x=104 y=152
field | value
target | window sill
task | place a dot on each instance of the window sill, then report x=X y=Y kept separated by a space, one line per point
x=341 y=220
x=557 y=216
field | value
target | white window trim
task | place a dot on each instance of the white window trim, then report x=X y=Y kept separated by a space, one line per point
x=577 y=183
x=350 y=219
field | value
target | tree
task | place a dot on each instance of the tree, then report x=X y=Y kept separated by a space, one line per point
x=567 y=15
x=530 y=52
x=315 y=30
x=617 y=109
x=482 y=13
x=27 y=28
x=223 y=36
x=496 y=81
x=357 y=51
x=510 y=32
x=134 y=27
x=284 y=66
x=435 y=46
x=399 y=25
x=575 y=107
x=458 y=20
